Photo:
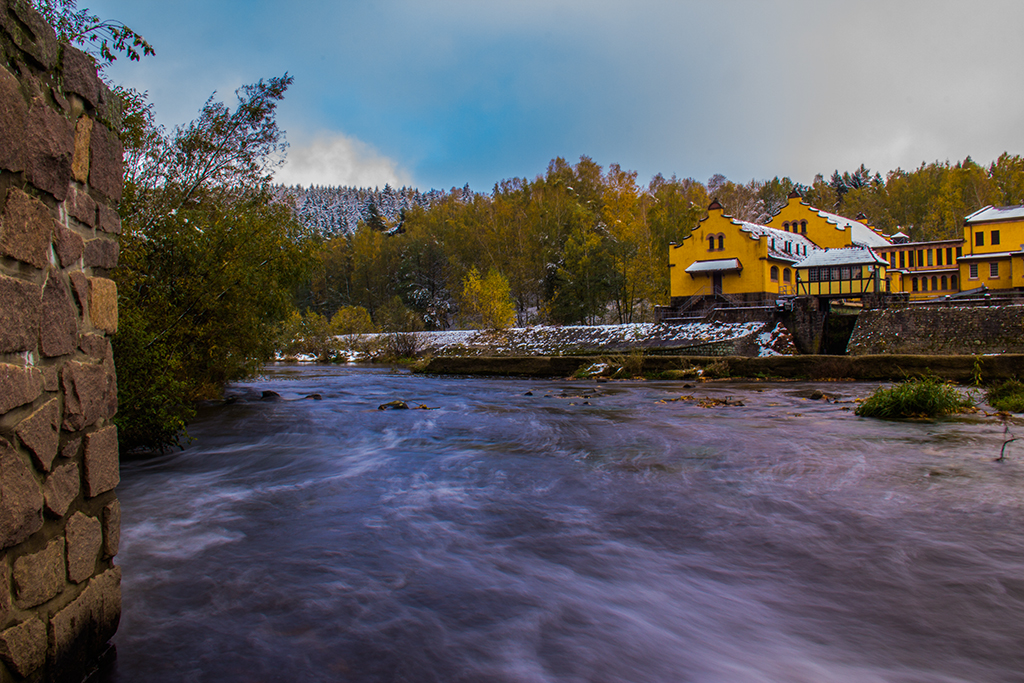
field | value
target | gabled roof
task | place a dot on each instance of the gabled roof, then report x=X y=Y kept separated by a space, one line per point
x=776 y=240
x=860 y=234
x=996 y=213
x=853 y=256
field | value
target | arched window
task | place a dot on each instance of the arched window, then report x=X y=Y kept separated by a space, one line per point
x=775 y=273
x=913 y=285
x=785 y=226
x=721 y=242
x=935 y=283
x=786 y=276
x=952 y=282
x=803 y=227
x=945 y=283
x=711 y=243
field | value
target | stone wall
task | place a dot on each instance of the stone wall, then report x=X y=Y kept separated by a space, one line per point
x=60 y=182
x=943 y=330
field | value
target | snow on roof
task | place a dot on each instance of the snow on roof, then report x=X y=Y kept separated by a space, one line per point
x=997 y=213
x=853 y=256
x=859 y=233
x=714 y=266
x=800 y=246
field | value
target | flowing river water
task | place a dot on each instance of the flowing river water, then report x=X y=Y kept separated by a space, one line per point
x=585 y=533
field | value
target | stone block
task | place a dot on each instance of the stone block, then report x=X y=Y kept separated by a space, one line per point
x=78 y=75
x=50 y=146
x=80 y=630
x=23 y=647
x=58 y=328
x=83 y=536
x=61 y=488
x=70 y=449
x=80 y=158
x=5 y=592
x=18 y=386
x=102 y=465
x=80 y=288
x=30 y=33
x=82 y=207
x=97 y=347
x=89 y=394
x=13 y=121
x=21 y=501
x=40 y=433
x=101 y=253
x=103 y=304
x=69 y=245
x=26 y=228
x=111 y=528
x=40 y=576
x=20 y=304
x=109 y=220
x=51 y=382
x=106 y=163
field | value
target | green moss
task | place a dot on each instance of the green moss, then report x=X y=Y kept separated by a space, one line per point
x=925 y=397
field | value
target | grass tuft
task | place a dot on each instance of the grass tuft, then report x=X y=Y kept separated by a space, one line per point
x=925 y=397
x=1008 y=396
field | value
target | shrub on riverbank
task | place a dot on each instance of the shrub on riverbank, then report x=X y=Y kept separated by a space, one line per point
x=1008 y=395
x=925 y=397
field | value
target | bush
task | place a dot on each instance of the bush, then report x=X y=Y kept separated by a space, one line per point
x=1008 y=396
x=925 y=397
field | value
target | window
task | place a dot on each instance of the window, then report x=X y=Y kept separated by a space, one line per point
x=952 y=281
x=812 y=274
x=959 y=252
x=785 y=226
x=711 y=243
x=892 y=259
x=974 y=271
x=949 y=256
x=903 y=260
x=721 y=242
x=995 y=237
x=913 y=284
x=945 y=283
x=935 y=283
x=835 y=274
x=930 y=260
x=920 y=258
x=775 y=273
x=910 y=259
x=938 y=257
x=993 y=269
x=803 y=227
x=844 y=273
x=979 y=239
x=786 y=275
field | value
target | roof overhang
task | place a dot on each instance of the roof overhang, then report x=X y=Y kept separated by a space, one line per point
x=716 y=266
x=988 y=257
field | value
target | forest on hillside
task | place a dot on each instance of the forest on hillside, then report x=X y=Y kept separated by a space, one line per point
x=585 y=244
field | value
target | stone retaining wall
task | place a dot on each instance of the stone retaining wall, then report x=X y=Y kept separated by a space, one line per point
x=940 y=330
x=60 y=182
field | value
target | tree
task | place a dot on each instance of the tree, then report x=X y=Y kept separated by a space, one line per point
x=208 y=259
x=489 y=299
x=103 y=39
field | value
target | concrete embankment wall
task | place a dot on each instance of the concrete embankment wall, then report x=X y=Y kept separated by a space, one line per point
x=939 y=330
x=60 y=182
x=882 y=367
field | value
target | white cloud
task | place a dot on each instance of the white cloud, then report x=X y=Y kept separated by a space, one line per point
x=331 y=158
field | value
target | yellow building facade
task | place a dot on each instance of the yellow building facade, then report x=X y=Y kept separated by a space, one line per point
x=993 y=247
x=733 y=259
x=824 y=229
x=923 y=270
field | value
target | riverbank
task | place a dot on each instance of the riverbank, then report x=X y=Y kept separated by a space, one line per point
x=885 y=367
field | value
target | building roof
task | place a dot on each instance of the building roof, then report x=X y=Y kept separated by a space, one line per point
x=776 y=239
x=988 y=256
x=853 y=256
x=860 y=234
x=996 y=213
x=716 y=266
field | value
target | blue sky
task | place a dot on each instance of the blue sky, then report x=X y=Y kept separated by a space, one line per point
x=444 y=93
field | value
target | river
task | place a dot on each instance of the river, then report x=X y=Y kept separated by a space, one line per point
x=585 y=533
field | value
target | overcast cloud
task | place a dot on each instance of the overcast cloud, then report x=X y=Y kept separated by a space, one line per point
x=438 y=94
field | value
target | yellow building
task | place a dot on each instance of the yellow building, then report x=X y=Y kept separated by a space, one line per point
x=842 y=273
x=924 y=270
x=827 y=230
x=993 y=248
x=734 y=260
